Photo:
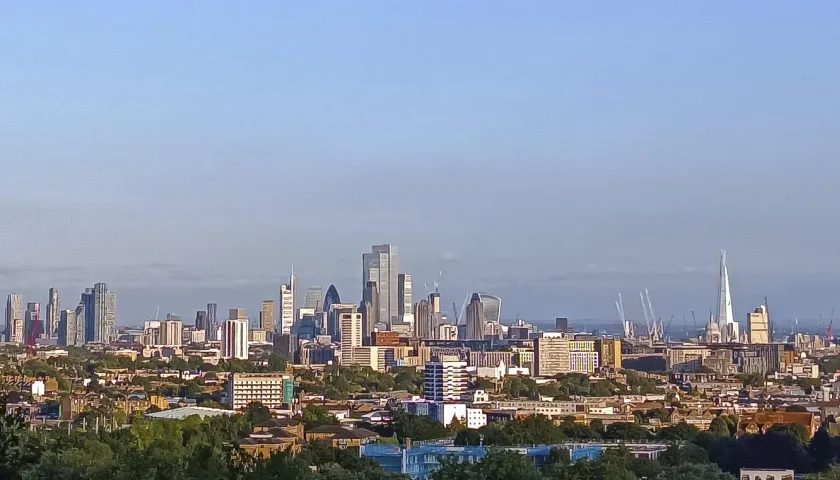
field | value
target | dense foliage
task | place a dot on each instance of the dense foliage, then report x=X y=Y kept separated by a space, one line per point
x=170 y=450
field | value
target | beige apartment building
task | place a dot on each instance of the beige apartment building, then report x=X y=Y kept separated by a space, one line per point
x=270 y=389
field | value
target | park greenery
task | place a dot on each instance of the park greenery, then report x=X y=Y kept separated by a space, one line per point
x=168 y=450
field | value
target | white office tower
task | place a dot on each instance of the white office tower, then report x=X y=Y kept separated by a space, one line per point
x=14 y=318
x=445 y=379
x=406 y=306
x=726 y=320
x=235 y=335
x=381 y=266
x=287 y=307
x=351 y=335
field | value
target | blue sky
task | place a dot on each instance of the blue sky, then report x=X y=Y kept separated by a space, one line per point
x=551 y=153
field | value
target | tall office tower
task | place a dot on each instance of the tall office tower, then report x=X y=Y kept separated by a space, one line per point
x=235 y=335
x=758 y=323
x=492 y=307
x=88 y=307
x=444 y=379
x=551 y=355
x=351 y=336
x=53 y=314
x=406 y=301
x=267 y=319
x=287 y=309
x=381 y=266
x=561 y=324
x=171 y=332
x=67 y=328
x=725 y=319
x=14 y=318
x=100 y=314
x=330 y=298
x=434 y=302
x=475 y=319
x=371 y=301
x=423 y=326
x=32 y=321
x=313 y=298
x=201 y=320
x=333 y=323
x=212 y=320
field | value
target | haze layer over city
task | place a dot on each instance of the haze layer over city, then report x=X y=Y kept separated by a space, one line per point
x=551 y=154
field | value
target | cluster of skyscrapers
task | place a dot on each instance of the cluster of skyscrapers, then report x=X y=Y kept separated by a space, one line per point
x=93 y=320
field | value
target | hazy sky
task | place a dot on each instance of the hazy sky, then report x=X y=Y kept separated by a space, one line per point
x=553 y=153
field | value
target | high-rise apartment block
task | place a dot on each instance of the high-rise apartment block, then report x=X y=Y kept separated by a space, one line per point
x=53 y=314
x=273 y=390
x=475 y=319
x=758 y=323
x=267 y=319
x=444 y=379
x=561 y=324
x=100 y=314
x=551 y=355
x=235 y=335
x=71 y=328
x=171 y=332
x=381 y=266
x=406 y=300
x=583 y=356
x=287 y=307
x=14 y=318
x=351 y=336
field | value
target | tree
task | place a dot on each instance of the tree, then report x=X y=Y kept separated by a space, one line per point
x=678 y=455
x=277 y=362
x=693 y=471
x=831 y=474
x=468 y=437
x=256 y=412
x=821 y=450
x=680 y=431
x=18 y=449
x=719 y=427
x=797 y=431
x=455 y=426
x=417 y=427
x=626 y=431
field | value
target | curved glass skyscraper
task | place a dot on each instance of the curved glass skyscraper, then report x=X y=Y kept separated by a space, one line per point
x=331 y=298
x=492 y=307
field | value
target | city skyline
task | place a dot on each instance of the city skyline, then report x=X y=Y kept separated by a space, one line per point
x=740 y=311
x=610 y=149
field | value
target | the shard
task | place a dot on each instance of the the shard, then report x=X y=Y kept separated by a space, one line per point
x=726 y=320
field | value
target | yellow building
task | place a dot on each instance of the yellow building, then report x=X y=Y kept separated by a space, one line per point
x=610 y=351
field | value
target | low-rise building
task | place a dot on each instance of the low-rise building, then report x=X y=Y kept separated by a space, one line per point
x=271 y=389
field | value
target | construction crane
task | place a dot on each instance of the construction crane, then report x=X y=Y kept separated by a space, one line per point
x=829 y=332
x=626 y=326
x=33 y=336
x=693 y=318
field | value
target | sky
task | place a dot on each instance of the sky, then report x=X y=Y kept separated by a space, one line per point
x=552 y=153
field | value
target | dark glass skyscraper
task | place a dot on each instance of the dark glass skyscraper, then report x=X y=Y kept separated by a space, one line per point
x=331 y=298
x=212 y=320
